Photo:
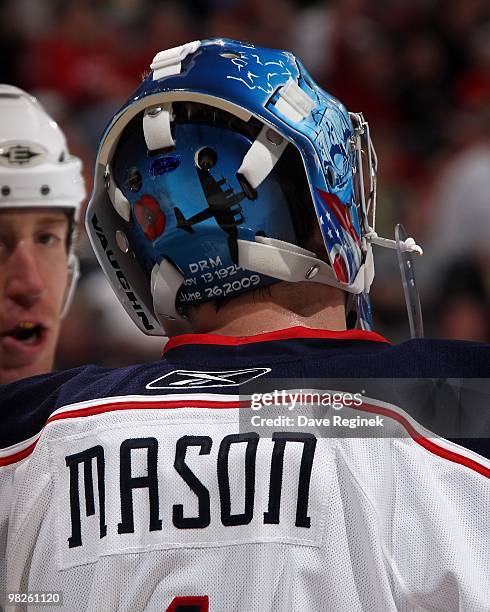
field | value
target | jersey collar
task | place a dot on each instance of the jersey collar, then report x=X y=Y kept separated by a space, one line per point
x=297 y=332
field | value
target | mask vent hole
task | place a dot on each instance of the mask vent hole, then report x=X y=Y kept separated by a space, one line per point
x=134 y=180
x=122 y=241
x=206 y=158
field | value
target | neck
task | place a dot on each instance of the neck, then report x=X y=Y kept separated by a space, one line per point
x=275 y=307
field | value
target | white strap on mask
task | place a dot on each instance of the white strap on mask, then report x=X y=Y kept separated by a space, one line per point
x=169 y=62
x=166 y=281
x=262 y=156
x=288 y=262
x=293 y=102
x=119 y=202
x=156 y=127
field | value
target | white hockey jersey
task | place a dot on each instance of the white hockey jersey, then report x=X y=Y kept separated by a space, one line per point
x=187 y=502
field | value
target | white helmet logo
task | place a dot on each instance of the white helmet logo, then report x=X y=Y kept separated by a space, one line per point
x=21 y=155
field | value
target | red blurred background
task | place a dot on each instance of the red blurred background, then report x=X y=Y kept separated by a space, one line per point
x=418 y=70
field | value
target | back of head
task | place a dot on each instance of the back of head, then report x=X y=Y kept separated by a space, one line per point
x=215 y=177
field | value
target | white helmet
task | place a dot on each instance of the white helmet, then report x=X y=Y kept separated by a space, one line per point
x=36 y=169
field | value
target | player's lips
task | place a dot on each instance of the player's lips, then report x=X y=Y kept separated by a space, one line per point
x=24 y=338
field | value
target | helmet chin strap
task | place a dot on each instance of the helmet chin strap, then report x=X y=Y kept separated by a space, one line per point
x=73 y=276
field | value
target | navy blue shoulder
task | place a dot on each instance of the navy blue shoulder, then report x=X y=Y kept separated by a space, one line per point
x=410 y=359
x=27 y=404
x=441 y=358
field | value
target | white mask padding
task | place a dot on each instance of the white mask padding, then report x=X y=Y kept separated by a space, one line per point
x=293 y=102
x=262 y=156
x=169 y=62
x=119 y=202
x=281 y=244
x=73 y=276
x=165 y=283
x=156 y=127
x=288 y=262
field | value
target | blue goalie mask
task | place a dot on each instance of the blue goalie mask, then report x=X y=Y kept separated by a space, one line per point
x=215 y=175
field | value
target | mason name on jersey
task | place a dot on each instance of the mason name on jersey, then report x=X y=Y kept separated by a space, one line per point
x=142 y=492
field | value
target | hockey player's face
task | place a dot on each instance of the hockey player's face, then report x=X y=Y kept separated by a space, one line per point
x=33 y=282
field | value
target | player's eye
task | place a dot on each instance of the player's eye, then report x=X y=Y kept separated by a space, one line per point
x=48 y=238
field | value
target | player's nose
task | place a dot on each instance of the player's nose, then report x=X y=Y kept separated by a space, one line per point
x=25 y=282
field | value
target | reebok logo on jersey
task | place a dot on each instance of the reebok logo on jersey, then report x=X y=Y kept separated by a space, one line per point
x=190 y=379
